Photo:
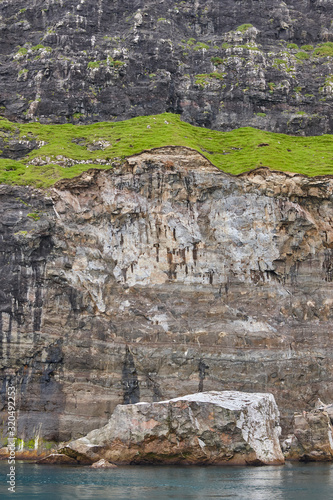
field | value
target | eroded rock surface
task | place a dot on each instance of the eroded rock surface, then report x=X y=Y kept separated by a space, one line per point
x=57 y=459
x=220 y=63
x=204 y=428
x=163 y=277
x=312 y=440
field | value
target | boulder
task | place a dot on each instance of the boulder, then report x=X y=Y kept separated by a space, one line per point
x=327 y=408
x=103 y=464
x=226 y=427
x=57 y=459
x=80 y=457
x=312 y=439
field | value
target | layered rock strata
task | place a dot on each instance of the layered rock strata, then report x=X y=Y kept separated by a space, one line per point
x=205 y=428
x=220 y=63
x=161 y=277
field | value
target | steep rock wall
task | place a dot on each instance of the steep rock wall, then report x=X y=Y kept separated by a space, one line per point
x=86 y=61
x=159 y=278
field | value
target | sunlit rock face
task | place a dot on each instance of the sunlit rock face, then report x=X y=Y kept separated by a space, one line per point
x=227 y=427
x=220 y=63
x=159 y=278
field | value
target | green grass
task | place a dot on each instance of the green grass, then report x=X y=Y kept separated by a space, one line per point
x=200 y=46
x=217 y=60
x=234 y=152
x=302 y=56
x=324 y=49
x=244 y=27
x=205 y=78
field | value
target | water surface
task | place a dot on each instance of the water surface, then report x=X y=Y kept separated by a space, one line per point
x=289 y=482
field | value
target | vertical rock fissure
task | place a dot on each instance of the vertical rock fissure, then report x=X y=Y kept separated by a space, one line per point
x=130 y=380
x=202 y=373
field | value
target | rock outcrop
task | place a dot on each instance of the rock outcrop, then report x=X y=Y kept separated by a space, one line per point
x=103 y=464
x=57 y=459
x=220 y=63
x=312 y=440
x=163 y=277
x=205 y=428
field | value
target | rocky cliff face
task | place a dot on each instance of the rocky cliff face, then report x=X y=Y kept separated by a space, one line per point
x=312 y=439
x=159 y=278
x=222 y=63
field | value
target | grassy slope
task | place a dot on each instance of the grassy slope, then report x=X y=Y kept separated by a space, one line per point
x=234 y=152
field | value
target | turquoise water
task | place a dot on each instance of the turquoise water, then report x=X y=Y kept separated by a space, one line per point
x=289 y=482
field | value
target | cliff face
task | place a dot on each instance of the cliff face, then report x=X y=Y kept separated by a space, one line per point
x=222 y=64
x=161 y=277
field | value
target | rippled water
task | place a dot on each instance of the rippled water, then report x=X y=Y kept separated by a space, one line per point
x=289 y=482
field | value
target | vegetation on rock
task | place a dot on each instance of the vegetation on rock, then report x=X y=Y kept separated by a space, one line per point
x=60 y=64
x=67 y=150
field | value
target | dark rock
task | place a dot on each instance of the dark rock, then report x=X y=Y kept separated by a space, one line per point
x=78 y=456
x=57 y=459
x=92 y=61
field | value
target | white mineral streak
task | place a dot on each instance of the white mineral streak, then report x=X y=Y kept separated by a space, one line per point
x=330 y=437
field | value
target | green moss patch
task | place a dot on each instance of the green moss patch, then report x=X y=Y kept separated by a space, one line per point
x=302 y=56
x=324 y=49
x=244 y=27
x=234 y=152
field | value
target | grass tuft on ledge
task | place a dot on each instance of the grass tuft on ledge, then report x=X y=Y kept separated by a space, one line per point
x=234 y=152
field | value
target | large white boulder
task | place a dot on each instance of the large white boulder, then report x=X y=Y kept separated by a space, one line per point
x=208 y=427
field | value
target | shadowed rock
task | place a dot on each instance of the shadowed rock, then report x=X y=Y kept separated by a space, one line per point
x=220 y=63
x=57 y=459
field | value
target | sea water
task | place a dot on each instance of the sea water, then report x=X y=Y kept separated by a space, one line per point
x=289 y=482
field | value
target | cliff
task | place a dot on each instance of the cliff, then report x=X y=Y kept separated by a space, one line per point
x=162 y=277
x=222 y=64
